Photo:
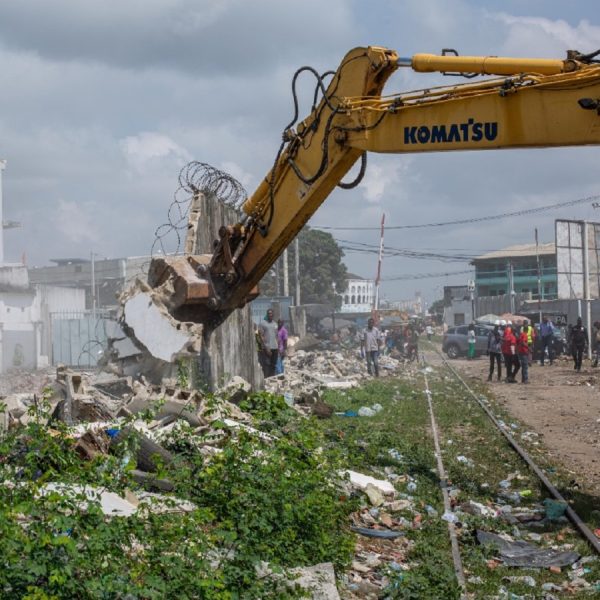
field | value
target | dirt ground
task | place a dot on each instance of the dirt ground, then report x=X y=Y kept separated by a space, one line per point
x=559 y=404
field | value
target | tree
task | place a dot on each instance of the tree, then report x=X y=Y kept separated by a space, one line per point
x=321 y=266
x=437 y=310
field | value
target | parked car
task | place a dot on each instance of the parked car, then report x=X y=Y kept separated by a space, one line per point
x=455 y=342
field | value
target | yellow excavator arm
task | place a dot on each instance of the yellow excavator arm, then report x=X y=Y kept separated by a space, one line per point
x=530 y=103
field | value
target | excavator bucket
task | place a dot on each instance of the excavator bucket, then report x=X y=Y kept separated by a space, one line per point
x=184 y=284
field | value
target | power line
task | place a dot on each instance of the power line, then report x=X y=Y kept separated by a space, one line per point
x=519 y=213
x=425 y=276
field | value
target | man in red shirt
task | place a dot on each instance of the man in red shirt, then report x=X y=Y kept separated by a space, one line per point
x=509 y=343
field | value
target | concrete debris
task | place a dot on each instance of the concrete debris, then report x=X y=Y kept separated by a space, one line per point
x=146 y=319
x=113 y=505
x=319 y=580
x=308 y=373
x=236 y=390
x=361 y=482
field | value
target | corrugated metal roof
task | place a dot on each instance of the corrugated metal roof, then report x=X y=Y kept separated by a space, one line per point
x=518 y=250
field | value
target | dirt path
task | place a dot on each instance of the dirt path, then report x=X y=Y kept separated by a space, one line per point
x=560 y=405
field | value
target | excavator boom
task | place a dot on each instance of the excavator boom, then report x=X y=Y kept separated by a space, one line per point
x=531 y=103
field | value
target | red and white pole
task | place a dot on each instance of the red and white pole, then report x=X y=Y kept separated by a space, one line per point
x=378 y=278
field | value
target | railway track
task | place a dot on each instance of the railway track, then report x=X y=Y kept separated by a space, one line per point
x=523 y=455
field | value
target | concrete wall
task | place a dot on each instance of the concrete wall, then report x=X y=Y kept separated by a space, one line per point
x=571 y=308
x=231 y=349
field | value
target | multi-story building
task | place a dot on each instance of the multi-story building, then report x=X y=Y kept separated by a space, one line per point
x=516 y=269
x=359 y=295
x=110 y=276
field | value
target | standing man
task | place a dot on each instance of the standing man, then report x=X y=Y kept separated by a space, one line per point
x=579 y=340
x=523 y=355
x=429 y=332
x=530 y=331
x=547 y=335
x=472 y=340
x=282 y=340
x=370 y=344
x=268 y=336
x=509 y=351
x=494 y=350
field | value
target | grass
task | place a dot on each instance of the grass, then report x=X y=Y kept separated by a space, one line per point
x=464 y=430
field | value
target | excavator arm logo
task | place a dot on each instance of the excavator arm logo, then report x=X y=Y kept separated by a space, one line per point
x=471 y=131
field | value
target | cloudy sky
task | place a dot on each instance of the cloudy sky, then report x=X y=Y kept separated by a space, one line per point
x=104 y=101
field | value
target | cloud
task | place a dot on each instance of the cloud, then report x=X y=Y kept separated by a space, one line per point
x=539 y=36
x=384 y=177
x=213 y=36
x=75 y=221
x=144 y=151
x=104 y=101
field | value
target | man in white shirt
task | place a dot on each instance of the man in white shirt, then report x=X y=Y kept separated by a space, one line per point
x=369 y=345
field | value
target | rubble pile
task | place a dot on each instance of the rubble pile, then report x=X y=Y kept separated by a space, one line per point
x=307 y=373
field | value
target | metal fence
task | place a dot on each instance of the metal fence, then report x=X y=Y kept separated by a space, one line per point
x=79 y=339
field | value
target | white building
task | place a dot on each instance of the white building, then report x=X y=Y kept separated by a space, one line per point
x=26 y=318
x=26 y=312
x=359 y=295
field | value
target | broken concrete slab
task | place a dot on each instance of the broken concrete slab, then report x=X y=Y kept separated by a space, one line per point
x=113 y=505
x=319 y=580
x=360 y=481
x=147 y=319
x=236 y=390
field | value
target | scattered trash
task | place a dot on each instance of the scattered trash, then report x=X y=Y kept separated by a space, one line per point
x=522 y=554
x=365 y=411
x=554 y=509
x=524 y=579
x=385 y=534
x=450 y=517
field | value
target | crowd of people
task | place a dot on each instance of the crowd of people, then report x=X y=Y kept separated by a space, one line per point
x=513 y=345
x=509 y=345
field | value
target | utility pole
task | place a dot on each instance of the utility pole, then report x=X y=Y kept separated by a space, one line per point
x=286 y=277
x=539 y=276
x=586 y=285
x=511 y=286
x=276 y=266
x=2 y=167
x=378 y=278
x=92 y=255
x=297 y=269
x=471 y=288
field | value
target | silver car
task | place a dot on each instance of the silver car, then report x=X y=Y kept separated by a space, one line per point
x=455 y=342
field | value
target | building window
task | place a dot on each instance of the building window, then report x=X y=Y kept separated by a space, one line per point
x=346 y=298
x=353 y=299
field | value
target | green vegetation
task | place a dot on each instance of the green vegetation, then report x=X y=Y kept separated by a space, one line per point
x=275 y=500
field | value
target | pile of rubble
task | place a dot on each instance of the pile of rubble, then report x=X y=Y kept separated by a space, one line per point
x=99 y=408
x=307 y=373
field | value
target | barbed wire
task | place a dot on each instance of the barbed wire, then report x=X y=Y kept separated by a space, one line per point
x=195 y=177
